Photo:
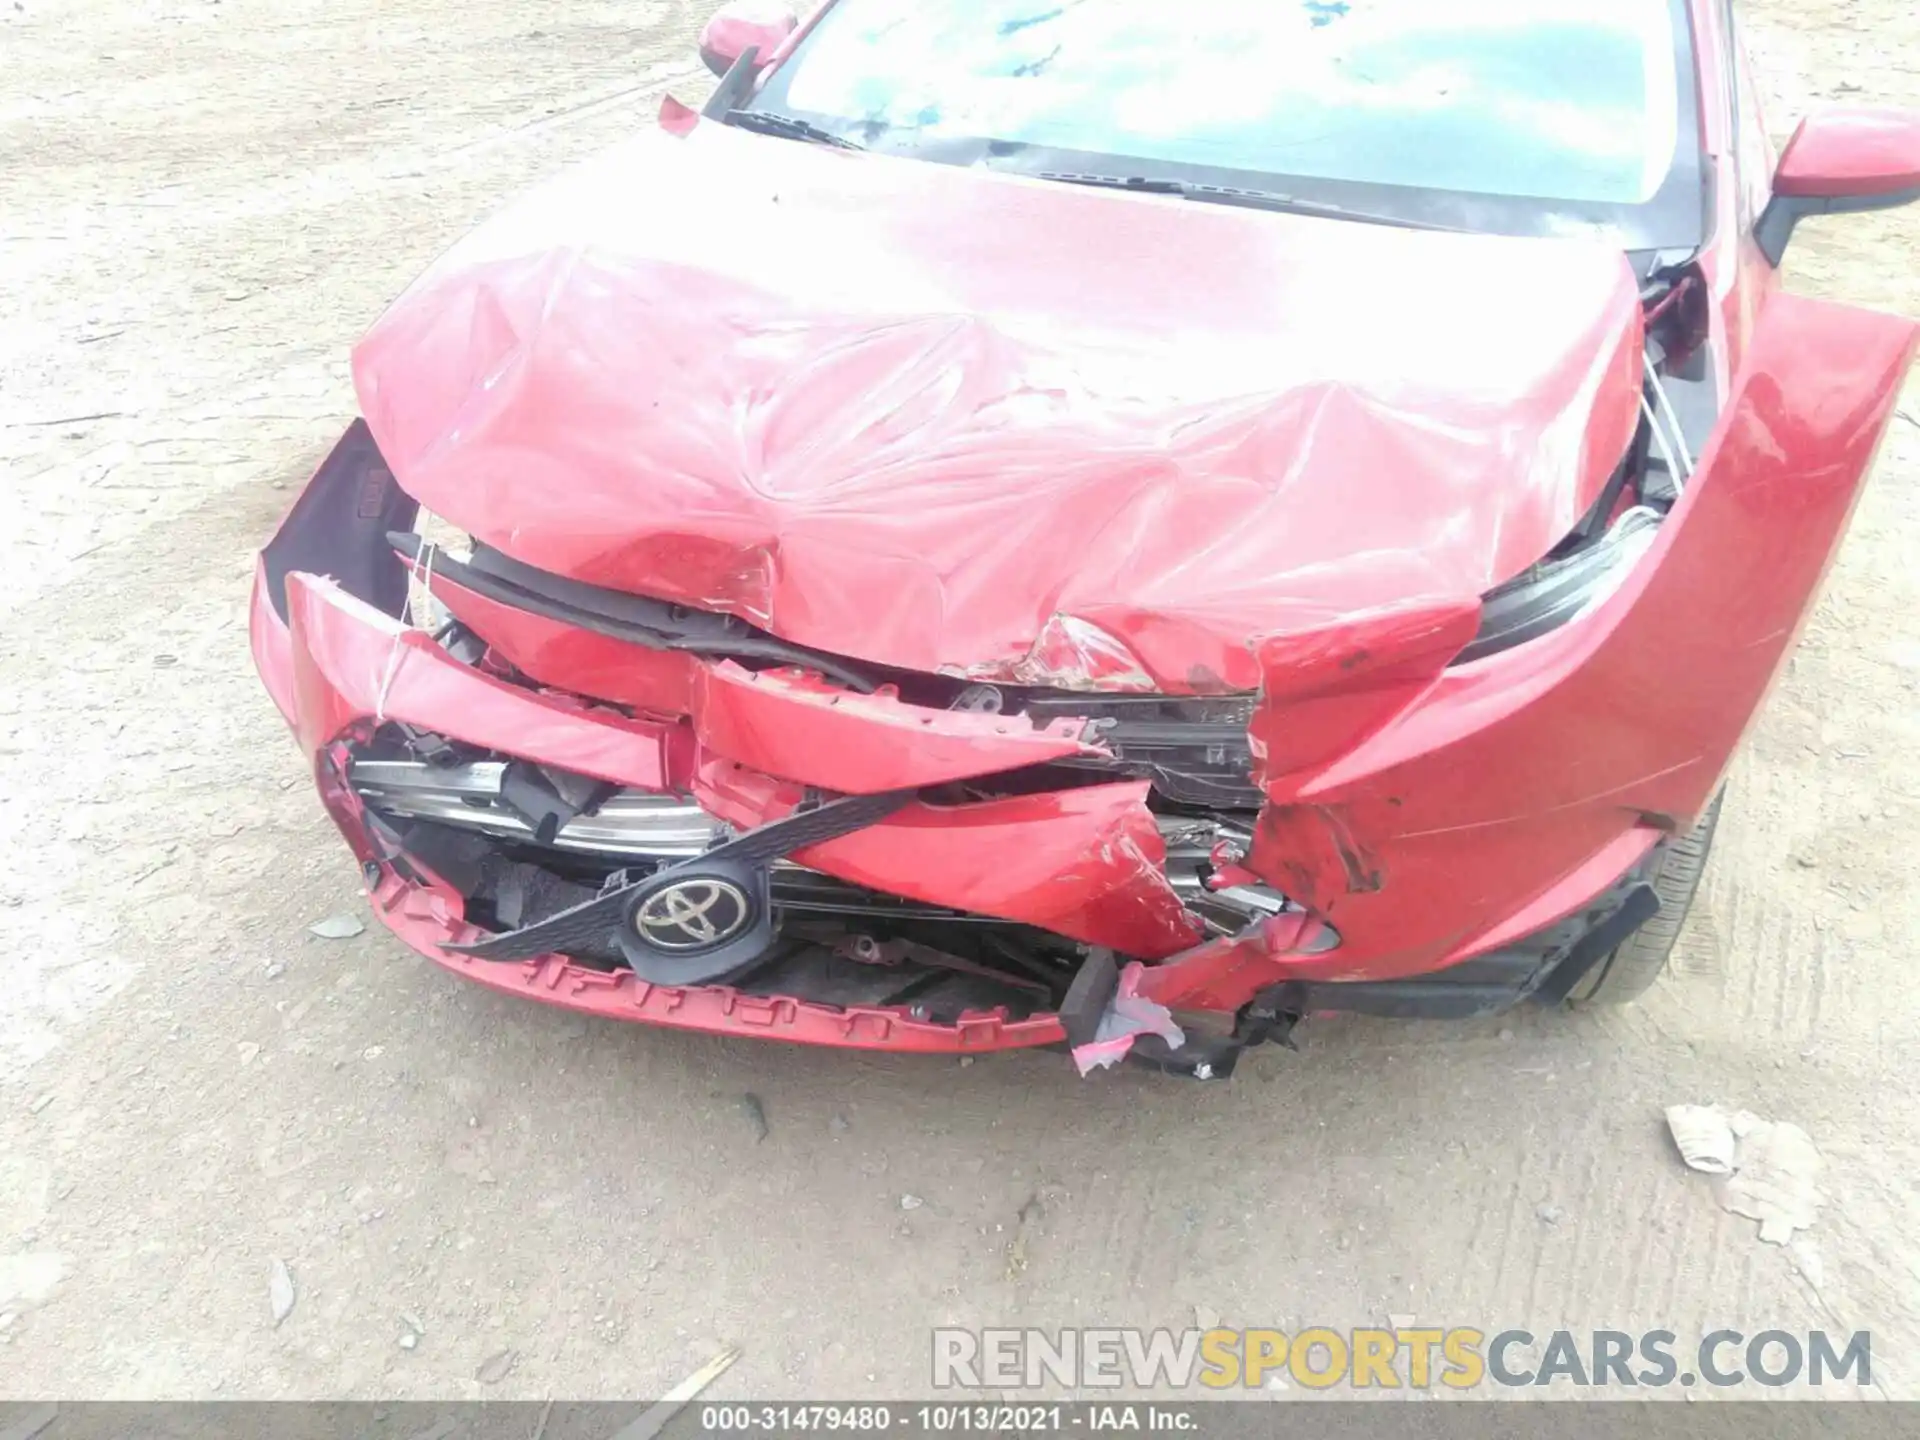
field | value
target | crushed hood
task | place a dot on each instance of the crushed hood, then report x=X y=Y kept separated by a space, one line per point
x=956 y=421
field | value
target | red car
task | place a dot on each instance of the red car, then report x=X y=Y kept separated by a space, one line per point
x=1122 y=525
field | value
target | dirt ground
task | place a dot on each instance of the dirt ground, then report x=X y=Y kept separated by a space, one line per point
x=202 y=204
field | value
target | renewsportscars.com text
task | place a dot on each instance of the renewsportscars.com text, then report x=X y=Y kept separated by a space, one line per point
x=1418 y=1358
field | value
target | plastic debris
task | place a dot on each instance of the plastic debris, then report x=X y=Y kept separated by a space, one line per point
x=756 y=1113
x=1704 y=1137
x=496 y=1367
x=280 y=1293
x=1775 y=1167
x=1127 y=1018
x=1766 y=1169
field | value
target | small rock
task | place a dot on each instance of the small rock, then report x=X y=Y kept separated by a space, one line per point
x=496 y=1367
x=911 y=1202
x=40 y=1104
x=1803 y=860
x=275 y=970
x=412 y=1322
x=1205 y=1317
x=1552 y=1214
x=965 y=1061
x=249 y=1052
x=1400 y=1321
x=1506 y=1032
x=338 y=927
x=756 y=1114
x=280 y=1291
x=839 y=1124
x=165 y=662
x=408 y=1340
x=237 y=294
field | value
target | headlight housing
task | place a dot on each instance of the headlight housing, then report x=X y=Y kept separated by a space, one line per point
x=1555 y=591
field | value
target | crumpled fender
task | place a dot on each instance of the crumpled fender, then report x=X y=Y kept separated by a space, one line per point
x=1491 y=793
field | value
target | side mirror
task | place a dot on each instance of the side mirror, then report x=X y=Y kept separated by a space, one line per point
x=742 y=25
x=1839 y=160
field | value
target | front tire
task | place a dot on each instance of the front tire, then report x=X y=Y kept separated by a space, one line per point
x=1629 y=972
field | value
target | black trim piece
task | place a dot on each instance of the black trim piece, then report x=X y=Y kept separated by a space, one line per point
x=1544 y=968
x=336 y=525
x=1775 y=227
x=1088 y=997
x=1199 y=1057
x=530 y=792
x=1542 y=599
x=1193 y=748
x=1641 y=905
x=1395 y=999
x=455 y=856
x=1629 y=470
x=636 y=619
x=733 y=85
x=589 y=924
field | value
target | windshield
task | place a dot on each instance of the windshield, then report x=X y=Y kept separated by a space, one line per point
x=1525 y=116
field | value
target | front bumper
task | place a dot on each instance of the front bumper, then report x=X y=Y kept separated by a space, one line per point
x=1444 y=820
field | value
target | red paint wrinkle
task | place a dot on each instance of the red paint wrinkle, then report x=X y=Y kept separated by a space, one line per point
x=1027 y=449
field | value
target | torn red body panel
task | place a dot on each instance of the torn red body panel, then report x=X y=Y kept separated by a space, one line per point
x=819 y=734
x=555 y=653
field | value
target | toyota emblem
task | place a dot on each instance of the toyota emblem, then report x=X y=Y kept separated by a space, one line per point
x=693 y=914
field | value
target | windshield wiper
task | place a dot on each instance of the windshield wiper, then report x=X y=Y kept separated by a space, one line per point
x=1250 y=199
x=787 y=127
